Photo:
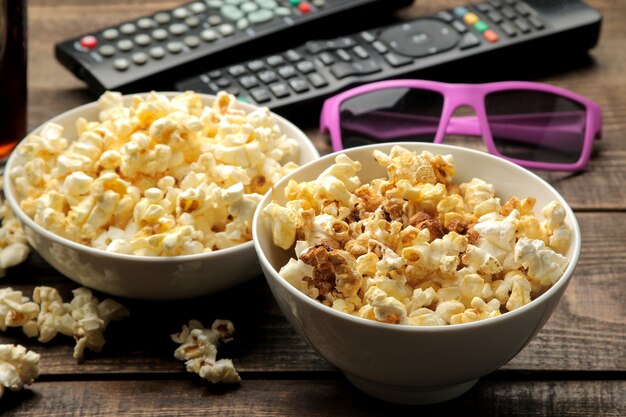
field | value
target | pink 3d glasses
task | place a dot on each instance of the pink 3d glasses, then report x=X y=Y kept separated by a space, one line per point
x=535 y=125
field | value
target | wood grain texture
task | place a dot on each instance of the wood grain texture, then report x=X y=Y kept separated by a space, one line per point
x=324 y=398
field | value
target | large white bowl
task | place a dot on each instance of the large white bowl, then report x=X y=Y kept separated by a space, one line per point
x=406 y=364
x=144 y=277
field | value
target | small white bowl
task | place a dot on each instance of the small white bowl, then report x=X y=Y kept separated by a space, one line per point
x=406 y=364
x=144 y=277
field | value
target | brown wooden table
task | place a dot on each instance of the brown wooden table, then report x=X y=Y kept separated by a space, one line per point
x=575 y=366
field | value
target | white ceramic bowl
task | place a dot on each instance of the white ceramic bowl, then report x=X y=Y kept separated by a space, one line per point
x=144 y=277
x=406 y=364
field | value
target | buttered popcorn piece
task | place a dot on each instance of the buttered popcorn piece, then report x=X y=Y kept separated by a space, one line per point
x=415 y=248
x=16 y=310
x=18 y=367
x=13 y=246
x=198 y=348
x=159 y=177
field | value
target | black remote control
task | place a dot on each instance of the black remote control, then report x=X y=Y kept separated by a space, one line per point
x=320 y=68
x=149 y=52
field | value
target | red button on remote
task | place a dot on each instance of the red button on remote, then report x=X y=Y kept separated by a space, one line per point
x=304 y=7
x=88 y=42
x=491 y=36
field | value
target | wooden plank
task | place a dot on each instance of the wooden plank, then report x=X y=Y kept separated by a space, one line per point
x=327 y=397
x=586 y=332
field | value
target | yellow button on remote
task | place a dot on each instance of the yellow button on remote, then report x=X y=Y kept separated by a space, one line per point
x=470 y=18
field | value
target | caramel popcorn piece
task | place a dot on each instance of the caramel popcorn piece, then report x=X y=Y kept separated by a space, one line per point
x=333 y=269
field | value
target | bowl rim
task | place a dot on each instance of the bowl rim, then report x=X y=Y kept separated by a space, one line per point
x=544 y=297
x=9 y=192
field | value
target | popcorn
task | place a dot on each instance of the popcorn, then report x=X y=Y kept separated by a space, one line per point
x=198 y=348
x=54 y=315
x=415 y=248
x=17 y=310
x=18 y=367
x=13 y=246
x=160 y=177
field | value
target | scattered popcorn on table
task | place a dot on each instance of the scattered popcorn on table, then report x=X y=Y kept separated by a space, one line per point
x=416 y=248
x=18 y=367
x=17 y=310
x=13 y=246
x=161 y=177
x=199 y=350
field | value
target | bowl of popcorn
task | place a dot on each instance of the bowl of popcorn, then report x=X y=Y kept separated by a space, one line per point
x=416 y=268
x=152 y=195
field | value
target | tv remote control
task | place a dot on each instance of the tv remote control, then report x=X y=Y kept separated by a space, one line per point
x=149 y=52
x=321 y=68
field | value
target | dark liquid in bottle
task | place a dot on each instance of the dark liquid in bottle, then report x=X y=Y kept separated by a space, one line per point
x=12 y=74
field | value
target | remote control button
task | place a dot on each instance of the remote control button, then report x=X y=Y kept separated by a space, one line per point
x=125 y=45
x=396 y=60
x=367 y=36
x=159 y=34
x=275 y=60
x=469 y=40
x=121 y=64
x=495 y=17
x=522 y=25
x=128 y=28
x=483 y=7
x=459 y=26
x=282 y=11
x=145 y=23
x=256 y=65
x=445 y=16
x=88 y=42
x=174 y=47
x=342 y=54
x=510 y=2
x=326 y=58
x=178 y=29
x=534 y=20
x=268 y=76
x=140 y=58
x=226 y=29
x=157 y=52
x=293 y=56
x=491 y=36
x=260 y=16
x=107 y=50
x=280 y=90
x=481 y=26
x=192 y=41
x=319 y=3
x=508 y=12
x=361 y=52
x=192 y=21
x=234 y=2
x=242 y=24
x=209 y=35
x=304 y=8
x=249 y=7
x=317 y=80
x=460 y=11
x=305 y=67
x=299 y=85
x=215 y=4
x=260 y=95
x=197 y=7
x=267 y=4
x=222 y=82
x=215 y=74
x=345 y=69
x=508 y=28
x=496 y=3
x=110 y=34
x=380 y=47
x=231 y=12
x=287 y=71
x=470 y=18
x=248 y=81
x=142 y=39
x=214 y=20
x=523 y=9
x=162 y=18
x=420 y=38
x=237 y=70
x=180 y=13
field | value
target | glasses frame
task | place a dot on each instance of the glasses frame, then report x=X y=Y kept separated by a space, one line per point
x=472 y=95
